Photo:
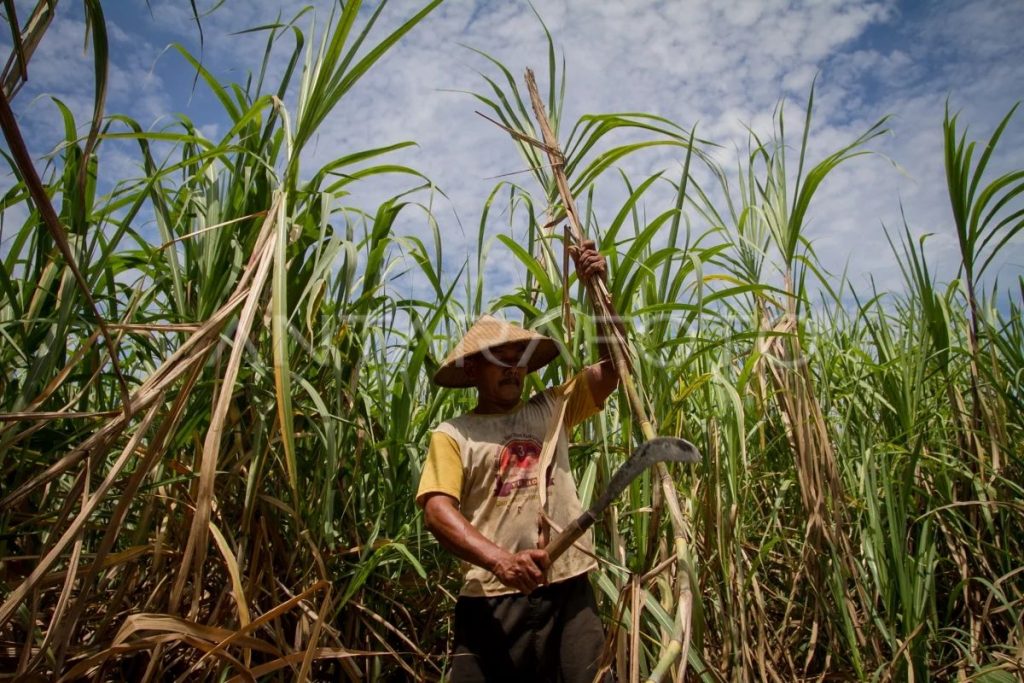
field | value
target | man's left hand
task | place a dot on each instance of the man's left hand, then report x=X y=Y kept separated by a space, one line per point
x=589 y=262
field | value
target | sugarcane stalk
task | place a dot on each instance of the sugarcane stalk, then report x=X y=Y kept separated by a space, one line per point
x=604 y=308
x=597 y=290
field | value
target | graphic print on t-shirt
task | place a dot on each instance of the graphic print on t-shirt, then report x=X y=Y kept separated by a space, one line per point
x=517 y=466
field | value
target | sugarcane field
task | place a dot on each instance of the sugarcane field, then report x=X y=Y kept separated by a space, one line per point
x=468 y=340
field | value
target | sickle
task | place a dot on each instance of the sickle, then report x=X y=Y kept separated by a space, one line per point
x=658 y=449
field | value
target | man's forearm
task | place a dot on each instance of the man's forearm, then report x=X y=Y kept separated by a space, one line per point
x=459 y=537
x=523 y=571
x=603 y=376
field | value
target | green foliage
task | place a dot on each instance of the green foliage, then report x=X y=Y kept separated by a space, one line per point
x=252 y=511
x=981 y=214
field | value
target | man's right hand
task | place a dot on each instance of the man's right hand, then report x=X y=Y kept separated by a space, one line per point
x=524 y=570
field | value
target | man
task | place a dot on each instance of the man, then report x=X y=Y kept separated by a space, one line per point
x=492 y=481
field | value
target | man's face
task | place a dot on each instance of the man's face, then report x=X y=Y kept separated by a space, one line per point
x=498 y=375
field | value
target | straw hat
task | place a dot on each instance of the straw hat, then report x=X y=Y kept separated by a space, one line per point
x=487 y=333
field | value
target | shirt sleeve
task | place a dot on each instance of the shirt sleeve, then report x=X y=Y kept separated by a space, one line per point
x=442 y=471
x=581 y=403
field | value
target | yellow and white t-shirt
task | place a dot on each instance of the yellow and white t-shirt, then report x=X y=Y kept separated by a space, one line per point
x=490 y=464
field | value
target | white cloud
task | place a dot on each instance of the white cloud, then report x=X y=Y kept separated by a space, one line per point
x=723 y=64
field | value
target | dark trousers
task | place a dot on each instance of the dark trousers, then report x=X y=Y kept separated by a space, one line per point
x=554 y=634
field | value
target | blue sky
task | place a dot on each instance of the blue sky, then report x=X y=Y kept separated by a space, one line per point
x=721 y=65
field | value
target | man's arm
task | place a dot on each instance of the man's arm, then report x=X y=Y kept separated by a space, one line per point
x=523 y=571
x=603 y=376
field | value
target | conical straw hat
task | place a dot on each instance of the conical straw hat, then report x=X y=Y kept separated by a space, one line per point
x=487 y=333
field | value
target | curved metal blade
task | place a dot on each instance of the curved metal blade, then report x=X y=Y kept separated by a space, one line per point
x=659 y=449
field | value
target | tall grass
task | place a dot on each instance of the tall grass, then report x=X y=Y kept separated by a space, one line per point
x=237 y=502
x=224 y=490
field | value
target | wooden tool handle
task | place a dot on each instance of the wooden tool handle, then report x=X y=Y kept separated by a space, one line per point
x=569 y=535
